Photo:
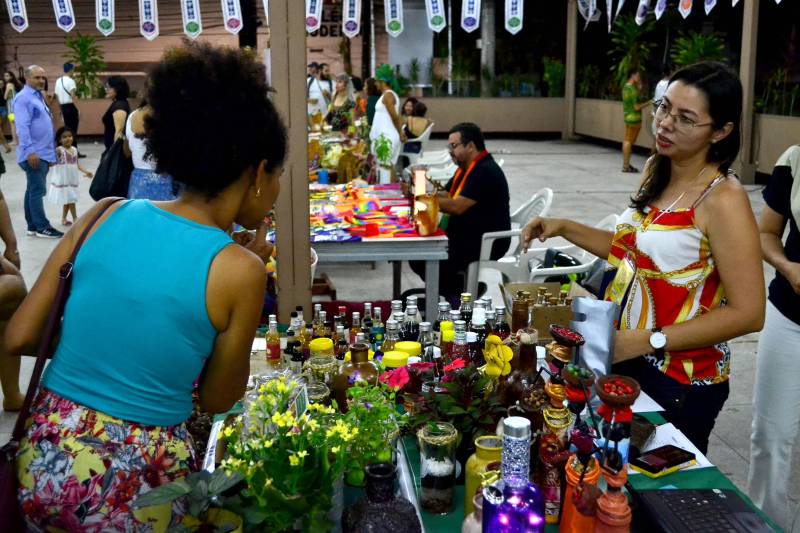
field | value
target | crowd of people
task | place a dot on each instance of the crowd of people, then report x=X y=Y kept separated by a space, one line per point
x=685 y=267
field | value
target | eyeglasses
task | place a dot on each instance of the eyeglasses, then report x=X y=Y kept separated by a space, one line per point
x=453 y=146
x=683 y=124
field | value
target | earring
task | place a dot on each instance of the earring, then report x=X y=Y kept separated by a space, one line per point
x=258 y=192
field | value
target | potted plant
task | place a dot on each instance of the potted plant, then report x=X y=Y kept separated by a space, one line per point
x=87 y=56
x=554 y=75
x=630 y=47
x=371 y=409
x=383 y=154
x=693 y=47
x=200 y=494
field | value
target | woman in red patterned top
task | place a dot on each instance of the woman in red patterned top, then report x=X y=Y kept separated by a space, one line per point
x=686 y=252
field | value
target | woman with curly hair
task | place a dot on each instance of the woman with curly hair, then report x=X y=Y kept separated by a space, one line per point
x=162 y=297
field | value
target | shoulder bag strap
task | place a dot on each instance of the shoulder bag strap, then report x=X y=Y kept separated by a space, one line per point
x=53 y=322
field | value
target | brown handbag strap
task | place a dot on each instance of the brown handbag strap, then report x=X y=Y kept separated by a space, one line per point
x=53 y=323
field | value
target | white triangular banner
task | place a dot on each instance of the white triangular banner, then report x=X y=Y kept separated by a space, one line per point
x=619 y=7
x=104 y=16
x=709 y=5
x=583 y=9
x=393 y=13
x=266 y=11
x=232 y=16
x=437 y=20
x=641 y=11
x=470 y=15
x=148 y=19
x=515 y=12
x=734 y=2
x=661 y=6
x=351 y=20
x=192 y=21
x=313 y=15
x=65 y=16
x=610 y=13
x=685 y=7
x=17 y=15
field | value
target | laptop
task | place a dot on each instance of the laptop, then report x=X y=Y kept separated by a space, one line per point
x=696 y=511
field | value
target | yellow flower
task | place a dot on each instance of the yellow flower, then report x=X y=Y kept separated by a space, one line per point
x=294 y=460
x=335 y=449
x=312 y=425
x=277 y=419
x=268 y=483
x=281 y=387
x=227 y=432
x=268 y=443
x=302 y=454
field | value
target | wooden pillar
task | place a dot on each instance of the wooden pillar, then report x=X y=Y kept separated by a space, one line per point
x=571 y=61
x=747 y=73
x=288 y=55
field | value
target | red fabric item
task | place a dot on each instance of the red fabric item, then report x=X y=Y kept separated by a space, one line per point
x=624 y=415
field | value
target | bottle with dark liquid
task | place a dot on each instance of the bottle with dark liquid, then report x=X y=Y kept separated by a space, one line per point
x=355 y=327
x=366 y=325
x=501 y=327
x=444 y=316
x=466 y=307
x=430 y=353
x=341 y=344
x=325 y=330
x=460 y=348
x=378 y=330
x=410 y=329
x=479 y=327
x=475 y=349
x=520 y=311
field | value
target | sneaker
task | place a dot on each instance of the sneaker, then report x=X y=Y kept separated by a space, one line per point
x=49 y=233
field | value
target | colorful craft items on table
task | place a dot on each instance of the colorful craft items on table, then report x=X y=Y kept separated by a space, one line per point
x=342 y=213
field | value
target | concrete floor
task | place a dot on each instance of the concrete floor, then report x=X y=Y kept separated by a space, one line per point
x=588 y=185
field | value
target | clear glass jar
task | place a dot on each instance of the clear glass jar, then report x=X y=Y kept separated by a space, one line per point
x=437 y=447
x=318 y=393
x=323 y=369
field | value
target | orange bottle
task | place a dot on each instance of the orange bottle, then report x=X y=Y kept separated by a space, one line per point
x=613 y=511
x=573 y=521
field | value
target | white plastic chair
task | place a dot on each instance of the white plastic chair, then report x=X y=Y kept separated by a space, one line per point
x=437 y=157
x=500 y=162
x=442 y=174
x=414 y=158
x=538 y=205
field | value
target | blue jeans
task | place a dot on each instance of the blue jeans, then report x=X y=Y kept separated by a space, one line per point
x=34 y=196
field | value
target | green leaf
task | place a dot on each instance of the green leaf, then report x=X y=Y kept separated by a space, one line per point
x=163 y=494
x=221 y=480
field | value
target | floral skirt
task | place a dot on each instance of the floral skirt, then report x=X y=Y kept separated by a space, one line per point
x=80 y=470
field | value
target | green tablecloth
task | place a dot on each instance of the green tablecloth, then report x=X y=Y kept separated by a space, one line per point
x=701 y=478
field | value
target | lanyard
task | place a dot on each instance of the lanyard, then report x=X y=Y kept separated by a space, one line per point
x=460 y=179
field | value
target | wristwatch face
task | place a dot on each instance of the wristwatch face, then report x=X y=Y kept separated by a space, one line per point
x=658 y=340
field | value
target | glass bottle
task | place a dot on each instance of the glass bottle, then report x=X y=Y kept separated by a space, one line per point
x=392 y=336
x=501 y=327
x=562 y=297
x=430 y=353
x=381 y=510
x=378 y=331
x=410 y=328
x=475 y=350
x=341 y=343
x=325 y=330
x=291 y=339
x=491 y=320
x=412 y=301
x=299 y=310
x=437 y=446
x=273 y=344
x=479 y=325
x=466 y=307
x=397 y=307
x=514 y=503
x=460 y=347
x=342 y=316
x=316 y=323
x=355 y=327
x=520 y=311
x=444 y=316
x=358 y=368
x=366 y=324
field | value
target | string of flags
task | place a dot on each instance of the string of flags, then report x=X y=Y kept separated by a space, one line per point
x=436 y=14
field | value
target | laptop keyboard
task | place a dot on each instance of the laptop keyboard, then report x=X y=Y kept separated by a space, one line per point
x=700 y=512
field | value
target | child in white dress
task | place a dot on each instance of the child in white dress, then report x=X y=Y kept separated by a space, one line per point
x=63 y=177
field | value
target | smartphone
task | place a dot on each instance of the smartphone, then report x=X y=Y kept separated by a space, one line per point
x=662 y=461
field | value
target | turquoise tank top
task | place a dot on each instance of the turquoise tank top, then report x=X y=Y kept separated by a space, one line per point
x=136 y=332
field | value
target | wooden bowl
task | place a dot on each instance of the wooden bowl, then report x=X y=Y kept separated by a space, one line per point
x=576 y=381
x=617 y=401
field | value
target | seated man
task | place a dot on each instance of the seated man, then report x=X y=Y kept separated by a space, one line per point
x=476 y=201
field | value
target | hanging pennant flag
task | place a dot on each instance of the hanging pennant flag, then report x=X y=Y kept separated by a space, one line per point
x=685 y=7
x=148 y=19
x=313 y=15
x=641 y=11
x=583 y=9
x=104 y=15
x=17 y=14
x=351 y=22
x=436 y=16
x=470 y=15
x=515 y=10
x=65 y=16
x=394 y=17
x=266 y=10
x=619 y=7
x=709 y=5
x=232 y=15
x=192 y=23
x=734 y=3
x=661 y=6
x=610 y=13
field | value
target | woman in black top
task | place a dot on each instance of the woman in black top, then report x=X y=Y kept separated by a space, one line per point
x=776 y=395
x=117 y=113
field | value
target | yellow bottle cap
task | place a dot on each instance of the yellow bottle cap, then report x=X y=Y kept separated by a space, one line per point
x=448 y=335
x=395 y=359
x=412 y=348
x=321 y=346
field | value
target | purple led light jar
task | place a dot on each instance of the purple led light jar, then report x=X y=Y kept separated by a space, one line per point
x=515 y=504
